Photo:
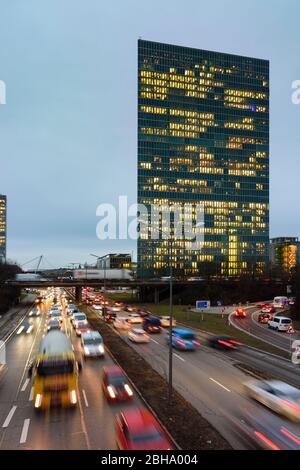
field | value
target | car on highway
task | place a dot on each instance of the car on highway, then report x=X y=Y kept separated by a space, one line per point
x=116 y=385
x=97 y=305
x=276 y=395
x=53 y=324
x=110 y=316
x=165 y=321
x=92 y=344
x=55 y=314
x=129 y=308
x=134 y=318
x=121 y=323
x=280 y=323
x=264 y=318
x=138 y=429
x=137 y=335
x=240 y=313
x=184 y=340
x=26 y=327
x=152 y=324
x=81 y=327
x=79 y=317
x=268 y=309
x=35 y=312
x=116 y=308
x=224 y=343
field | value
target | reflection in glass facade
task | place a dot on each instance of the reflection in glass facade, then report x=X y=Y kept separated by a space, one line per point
x=2 y=228
x=203 y=136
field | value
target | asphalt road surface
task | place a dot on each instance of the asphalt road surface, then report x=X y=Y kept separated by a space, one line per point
x=251 y=326
x=91 y=425
x=212 y=382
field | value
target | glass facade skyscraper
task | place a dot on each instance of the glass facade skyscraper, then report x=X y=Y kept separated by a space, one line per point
x=203 y=137
x=2 y=228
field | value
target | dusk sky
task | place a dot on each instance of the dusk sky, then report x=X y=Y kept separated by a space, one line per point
x=68 y=130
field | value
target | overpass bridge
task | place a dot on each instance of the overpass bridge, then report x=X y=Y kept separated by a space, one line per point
x=146 y=288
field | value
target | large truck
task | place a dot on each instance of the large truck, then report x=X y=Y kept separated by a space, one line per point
x=29 y=277
x=101 y=274
x=55 y=373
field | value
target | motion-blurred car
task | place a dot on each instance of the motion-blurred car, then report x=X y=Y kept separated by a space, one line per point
x=137 y=335
x=165 y=321
x=110 y=316
x=79 y=317
x=134 y=319
x=224 y=343
x=276 y=395
x=264 y=318
x=137 y=429
x=35 y=312
x=82 y=327
x=240 y=313
x=152 y=324
x=54 y=324
x=92 y=344
x=55 y=315
x=184 y=340
x=121 y=324
x=268 y=309
x=129 y=308
x=266 y=434
x=116 y=384
x=26 y=327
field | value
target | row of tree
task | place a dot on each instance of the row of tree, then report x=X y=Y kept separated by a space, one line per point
x=9 y=296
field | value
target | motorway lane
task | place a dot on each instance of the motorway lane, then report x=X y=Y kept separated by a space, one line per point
x=89 y=426
x=209 y=380
x=250 y=325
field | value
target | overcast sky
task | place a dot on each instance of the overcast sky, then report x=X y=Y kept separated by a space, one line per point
x=68 y=129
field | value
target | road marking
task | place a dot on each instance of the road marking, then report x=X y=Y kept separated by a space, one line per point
x=85 y=398
x=9 y=417
x=156 y=342
x=31 y=394
x=218 y=383
x=25 y=385
x=178 y=357
x=24 y=431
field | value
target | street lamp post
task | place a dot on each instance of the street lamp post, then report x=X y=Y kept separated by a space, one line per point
x=170 y=372
x=170 y=381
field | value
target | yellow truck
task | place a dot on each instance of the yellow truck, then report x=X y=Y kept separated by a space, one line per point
x=55 y=373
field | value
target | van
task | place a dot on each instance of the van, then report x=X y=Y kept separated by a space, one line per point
x=280 y=323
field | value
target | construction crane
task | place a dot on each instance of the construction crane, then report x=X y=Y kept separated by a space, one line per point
x=39 y=258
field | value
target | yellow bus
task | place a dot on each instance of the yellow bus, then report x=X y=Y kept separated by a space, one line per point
x=55 y=373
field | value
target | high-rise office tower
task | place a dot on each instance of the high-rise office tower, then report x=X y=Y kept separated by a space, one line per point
x=2 y=228
x=203 y=138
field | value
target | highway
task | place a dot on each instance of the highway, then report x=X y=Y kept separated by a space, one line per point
x=251 y=326
x=89 y=426
x=213 y=382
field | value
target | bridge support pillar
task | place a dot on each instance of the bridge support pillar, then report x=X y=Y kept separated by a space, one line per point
x=78 y=293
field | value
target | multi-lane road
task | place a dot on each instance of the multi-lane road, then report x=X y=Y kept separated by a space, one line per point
x=90 y=426
x=213 y=382
x=250 y=325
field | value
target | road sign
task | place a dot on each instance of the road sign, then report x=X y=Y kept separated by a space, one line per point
x=202 y=304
